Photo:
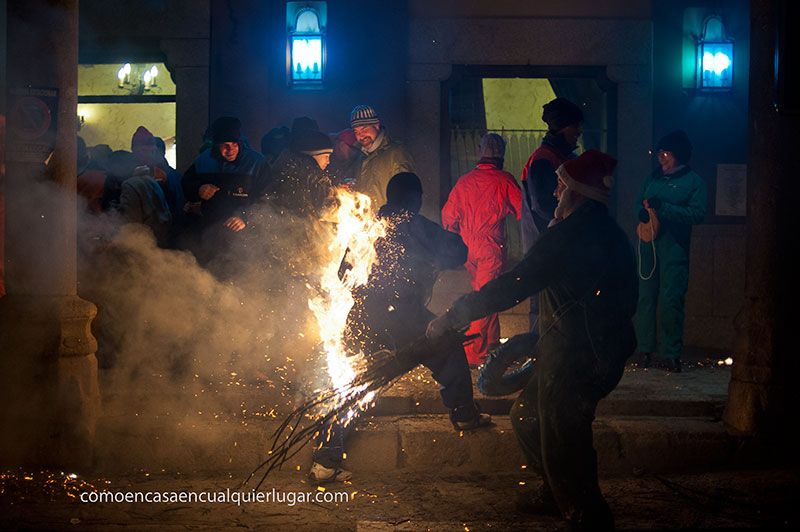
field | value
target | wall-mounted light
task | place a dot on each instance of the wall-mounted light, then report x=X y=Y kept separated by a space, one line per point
x=306 y=22
x=714 y=57
x=138 y=78
x=153 y=76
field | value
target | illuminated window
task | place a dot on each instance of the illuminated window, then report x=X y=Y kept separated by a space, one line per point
x=306 y=51
x=714 y=57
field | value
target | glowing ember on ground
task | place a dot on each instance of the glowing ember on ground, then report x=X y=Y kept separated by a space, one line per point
x=18 y=485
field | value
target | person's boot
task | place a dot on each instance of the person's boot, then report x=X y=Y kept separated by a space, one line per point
x=320 y=474
x=673 y=365
x=469 y=417
x=539 y=502
x=646 y=359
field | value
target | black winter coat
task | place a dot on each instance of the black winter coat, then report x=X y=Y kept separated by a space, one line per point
x=391 y=309
x=584 y=270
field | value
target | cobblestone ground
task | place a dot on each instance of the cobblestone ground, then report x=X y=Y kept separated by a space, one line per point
x=399 y=501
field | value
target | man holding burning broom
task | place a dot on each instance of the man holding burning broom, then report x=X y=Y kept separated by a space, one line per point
x=584 y=268
x=390 y=313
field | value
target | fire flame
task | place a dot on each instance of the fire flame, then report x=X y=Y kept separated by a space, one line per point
x=357 y=229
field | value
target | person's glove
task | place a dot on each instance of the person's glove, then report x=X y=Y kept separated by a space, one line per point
x=439 y=326
x=644 y=216
x=493 y=377
x=654 y=203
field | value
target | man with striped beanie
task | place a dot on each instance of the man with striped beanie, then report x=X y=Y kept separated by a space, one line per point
x=382 y=157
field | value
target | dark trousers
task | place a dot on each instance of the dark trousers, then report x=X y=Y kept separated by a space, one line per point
x=662 y=298
x=449 y=368
x=552 y=419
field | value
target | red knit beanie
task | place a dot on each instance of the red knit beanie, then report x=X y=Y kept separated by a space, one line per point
x=589 y=174
x=142 y=137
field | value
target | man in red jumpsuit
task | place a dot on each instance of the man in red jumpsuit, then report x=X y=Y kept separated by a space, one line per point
x=476 y=209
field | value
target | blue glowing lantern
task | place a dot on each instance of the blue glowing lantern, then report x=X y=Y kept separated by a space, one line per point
x=307 y=47
x=714 y=57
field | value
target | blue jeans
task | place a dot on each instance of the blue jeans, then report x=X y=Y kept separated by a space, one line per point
x=449 y=369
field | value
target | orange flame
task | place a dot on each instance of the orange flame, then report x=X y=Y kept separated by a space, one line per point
x=357 y=229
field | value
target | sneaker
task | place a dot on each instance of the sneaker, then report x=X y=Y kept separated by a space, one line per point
x=324 y=475
x=480 y=420
x=539 y=502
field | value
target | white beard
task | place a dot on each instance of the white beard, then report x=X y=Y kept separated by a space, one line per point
x=569 y=201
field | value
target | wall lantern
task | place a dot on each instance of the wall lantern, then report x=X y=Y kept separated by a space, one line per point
x=306 y=23
x=714 y=57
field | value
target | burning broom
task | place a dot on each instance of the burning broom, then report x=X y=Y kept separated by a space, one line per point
x=341 y=405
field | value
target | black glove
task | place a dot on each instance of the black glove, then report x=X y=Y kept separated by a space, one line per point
x=644 y=216
x=654 y=203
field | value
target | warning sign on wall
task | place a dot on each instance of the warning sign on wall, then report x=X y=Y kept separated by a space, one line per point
x=32 y=123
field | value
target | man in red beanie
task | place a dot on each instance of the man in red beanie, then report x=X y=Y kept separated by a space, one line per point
x=583 y=269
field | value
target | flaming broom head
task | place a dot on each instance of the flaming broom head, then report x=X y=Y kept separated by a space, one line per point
x=340 y=405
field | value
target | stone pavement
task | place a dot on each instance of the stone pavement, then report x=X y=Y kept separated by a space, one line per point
x=666 y=462
x=413 y=502
x=653 y=422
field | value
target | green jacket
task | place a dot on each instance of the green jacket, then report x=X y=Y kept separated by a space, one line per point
x=584 y=268
x=380 y=166
x=683 y=198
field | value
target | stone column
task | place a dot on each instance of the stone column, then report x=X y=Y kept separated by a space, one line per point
x=762 y=395
x=188 y=62
x=48 y=370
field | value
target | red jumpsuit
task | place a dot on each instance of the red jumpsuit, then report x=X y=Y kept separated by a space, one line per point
x=476 y=209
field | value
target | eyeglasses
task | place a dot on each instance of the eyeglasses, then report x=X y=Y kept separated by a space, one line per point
x=663 y=154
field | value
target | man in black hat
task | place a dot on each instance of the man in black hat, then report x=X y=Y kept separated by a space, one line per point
x=221 y=186
x=564 y=122
x=300 y=183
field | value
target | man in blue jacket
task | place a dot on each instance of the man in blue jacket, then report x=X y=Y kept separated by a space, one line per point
x=222 y=185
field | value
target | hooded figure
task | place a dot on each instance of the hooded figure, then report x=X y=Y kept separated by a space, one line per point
x=677 y=197
x=150 y=151
x=476 y=209
x=582 y=268
x=301 y=184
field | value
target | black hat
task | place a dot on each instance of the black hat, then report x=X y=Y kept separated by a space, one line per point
x=561 y=113
x=226 y=129
x=304 y=123
x=677 y=143
x=311 y=143
x=404 y=190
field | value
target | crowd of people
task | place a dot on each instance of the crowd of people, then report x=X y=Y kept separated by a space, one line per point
x=589 y=309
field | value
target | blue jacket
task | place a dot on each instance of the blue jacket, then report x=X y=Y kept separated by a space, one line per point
x=241 y=182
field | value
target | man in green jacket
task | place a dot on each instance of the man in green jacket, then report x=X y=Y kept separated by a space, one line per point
x=678 y=198
x=583 y=269
x=382 y=158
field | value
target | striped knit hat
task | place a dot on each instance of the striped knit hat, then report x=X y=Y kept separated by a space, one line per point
x=363 y=115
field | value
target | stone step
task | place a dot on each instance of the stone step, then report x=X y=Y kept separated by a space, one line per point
x=700 y=391
x=430 y=403
x=625 y=445
x=412 y=525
